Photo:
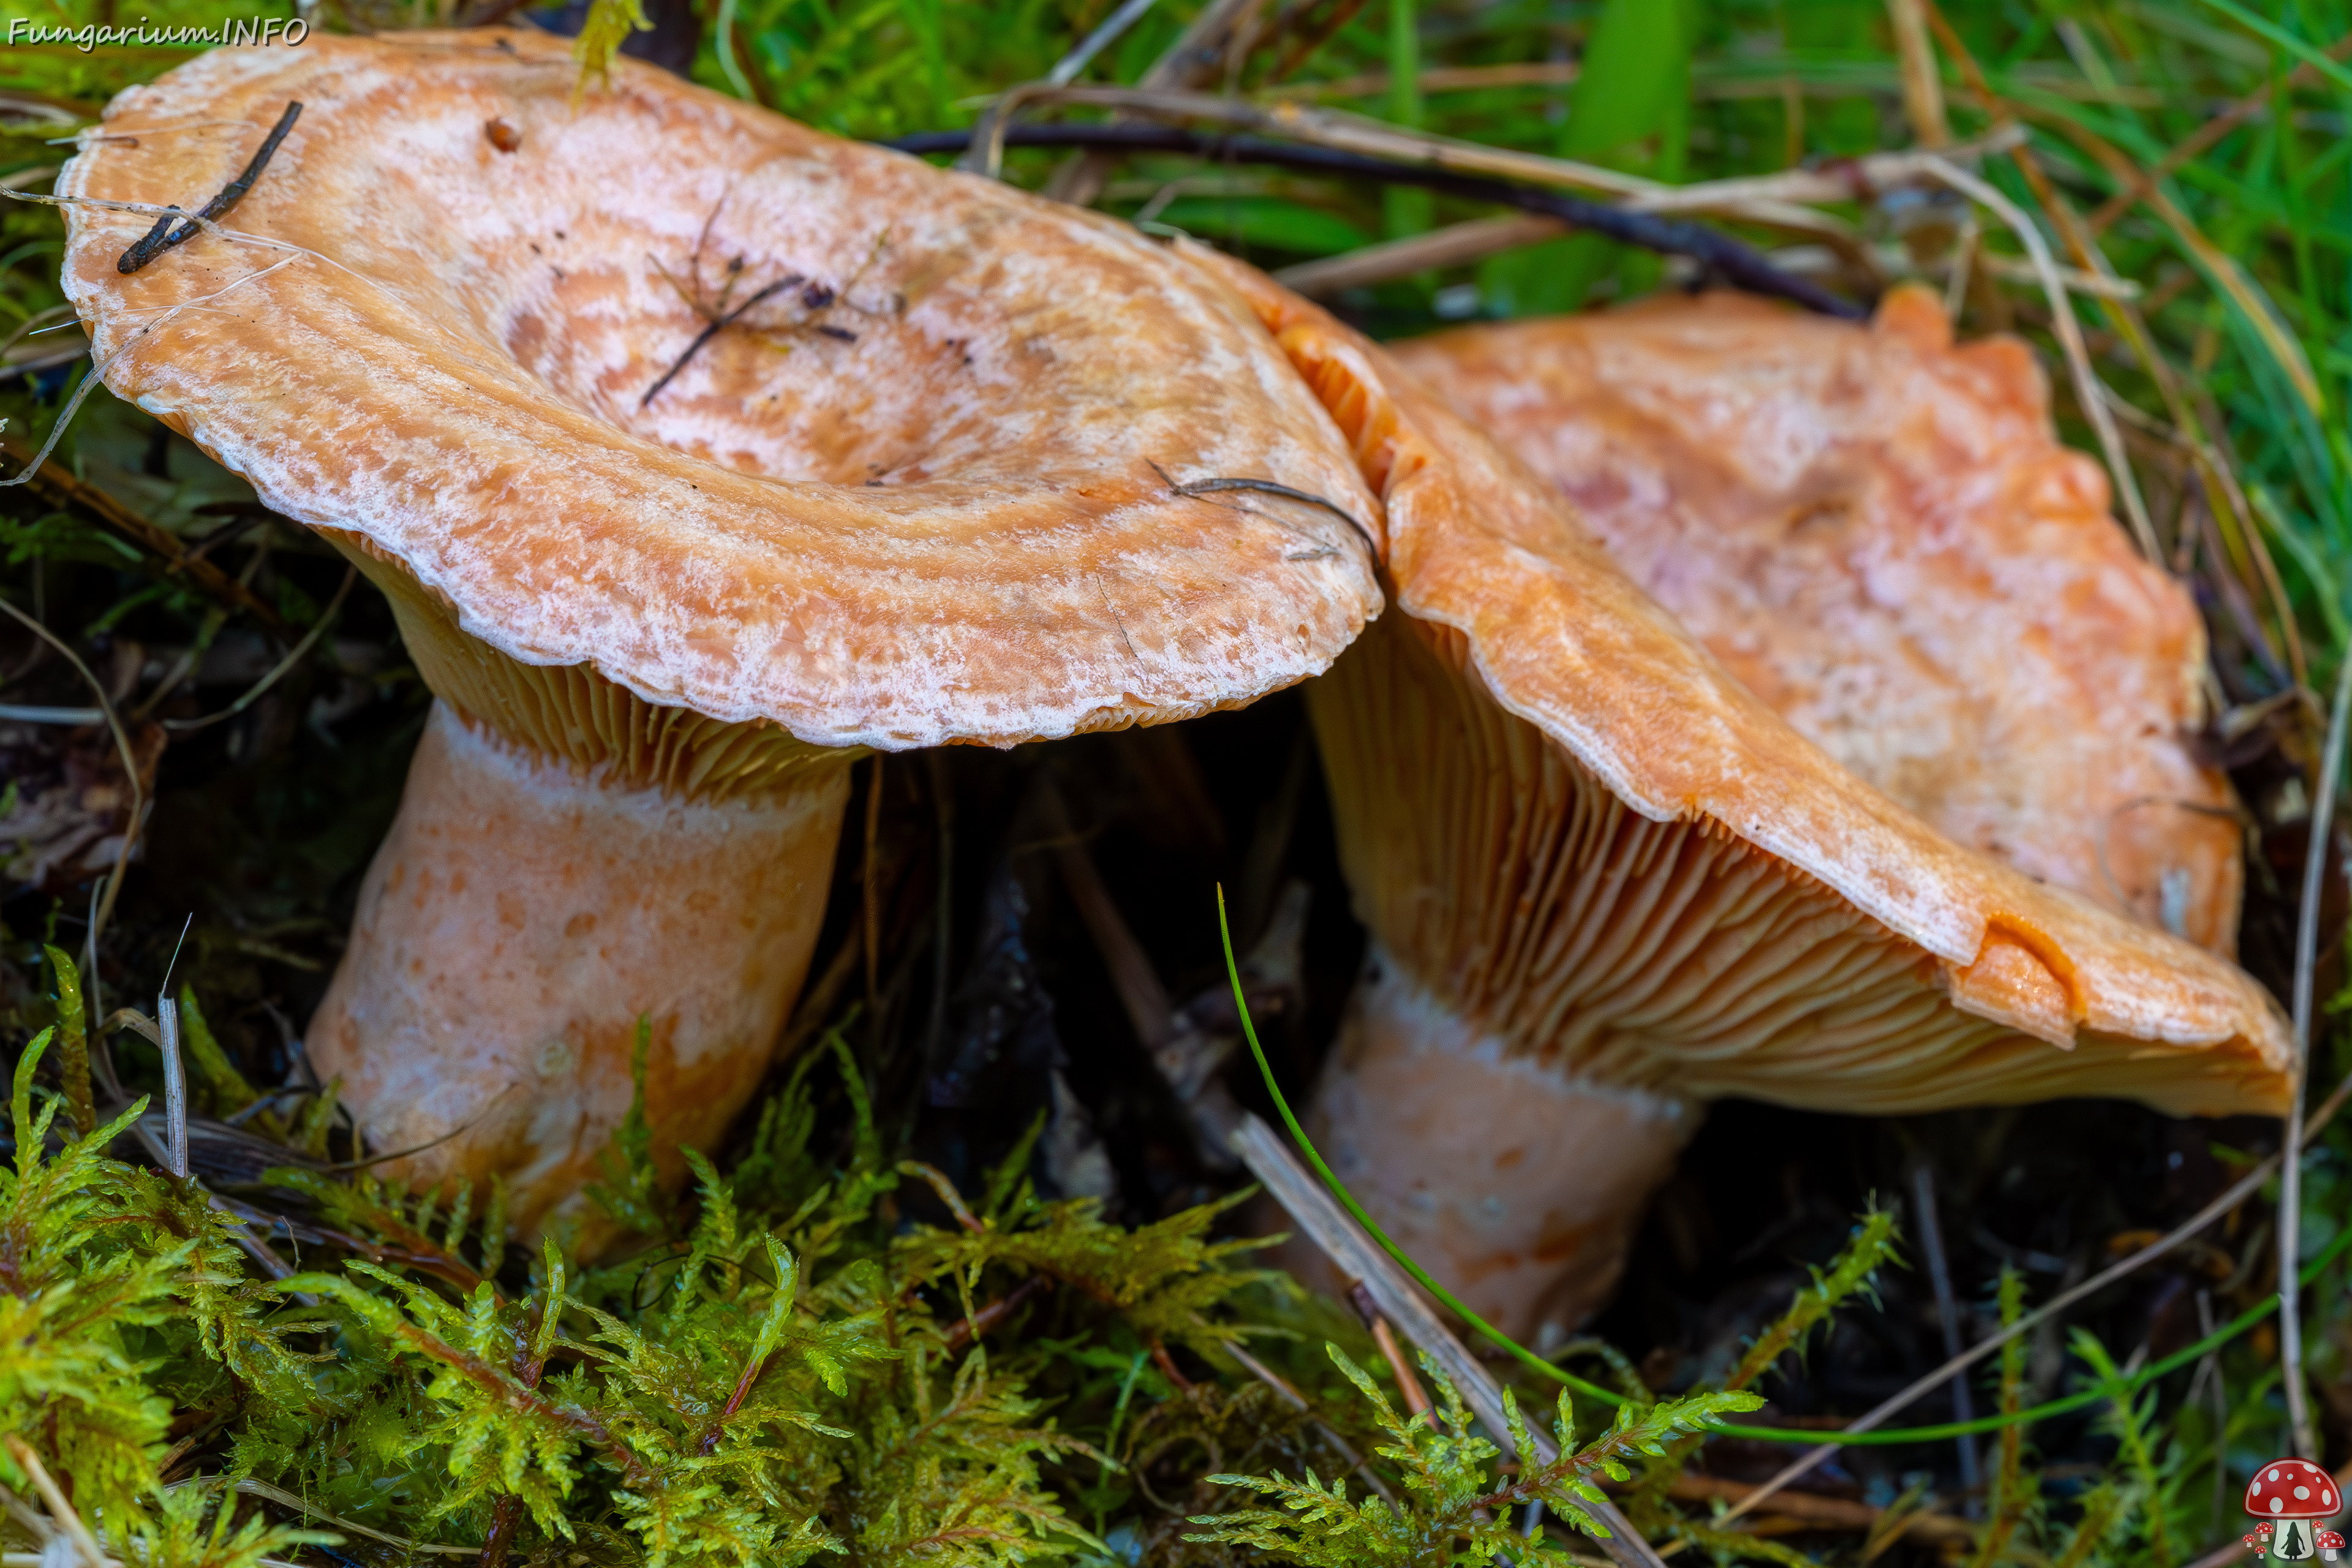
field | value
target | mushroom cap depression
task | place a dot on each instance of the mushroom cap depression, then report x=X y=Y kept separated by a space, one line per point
x=930 y=488
x=1603 y=853
x=1880 y=535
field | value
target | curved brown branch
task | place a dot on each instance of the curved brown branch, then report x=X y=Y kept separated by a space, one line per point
x=54 y=489
x=531 y=1402
x=964 y=1331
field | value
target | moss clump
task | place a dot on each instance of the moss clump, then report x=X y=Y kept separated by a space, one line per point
x=783 y=1368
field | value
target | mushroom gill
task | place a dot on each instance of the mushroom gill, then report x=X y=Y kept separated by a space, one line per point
x=1879 y=533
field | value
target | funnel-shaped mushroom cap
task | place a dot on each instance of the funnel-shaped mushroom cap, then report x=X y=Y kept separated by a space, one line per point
x=930 y=486
x=694 y=450
x=1790 y=932
x=1880 y=535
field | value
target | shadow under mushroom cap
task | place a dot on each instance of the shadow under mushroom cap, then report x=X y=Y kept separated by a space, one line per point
x=929 y=491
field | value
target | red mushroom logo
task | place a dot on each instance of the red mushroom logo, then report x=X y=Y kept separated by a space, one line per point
x=2331 y=1546
x=2288 y=1495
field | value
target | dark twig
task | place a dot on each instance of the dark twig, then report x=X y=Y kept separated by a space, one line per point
x=53 y=489
x=712 y=331
x=1267 y=487
x=163 y=237
x=1416 y=1400
x=1168 y=1367
x=1947 y=1308
x=1188 y=1043
x=372 y=1160
x=449 y=1270
x=1719 y=253
x=963 y=1331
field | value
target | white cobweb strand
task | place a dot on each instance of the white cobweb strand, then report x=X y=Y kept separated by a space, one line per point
x=97 y=135
x=213 y=228
x=97 y=376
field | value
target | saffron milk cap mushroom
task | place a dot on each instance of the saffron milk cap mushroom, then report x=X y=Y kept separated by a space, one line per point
x=696 y=451
x=1605 y=883
x=1879 y=533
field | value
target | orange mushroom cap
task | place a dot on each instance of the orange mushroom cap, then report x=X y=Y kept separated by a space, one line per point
x=936 y=490
x=1549 y=628
x=1604 y=882
x=1880 y=535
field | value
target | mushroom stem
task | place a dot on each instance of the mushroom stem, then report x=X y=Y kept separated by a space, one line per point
x=1526 y=1204
x=522 y=916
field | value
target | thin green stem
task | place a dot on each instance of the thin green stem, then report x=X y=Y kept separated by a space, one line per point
x=1882 y=1437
